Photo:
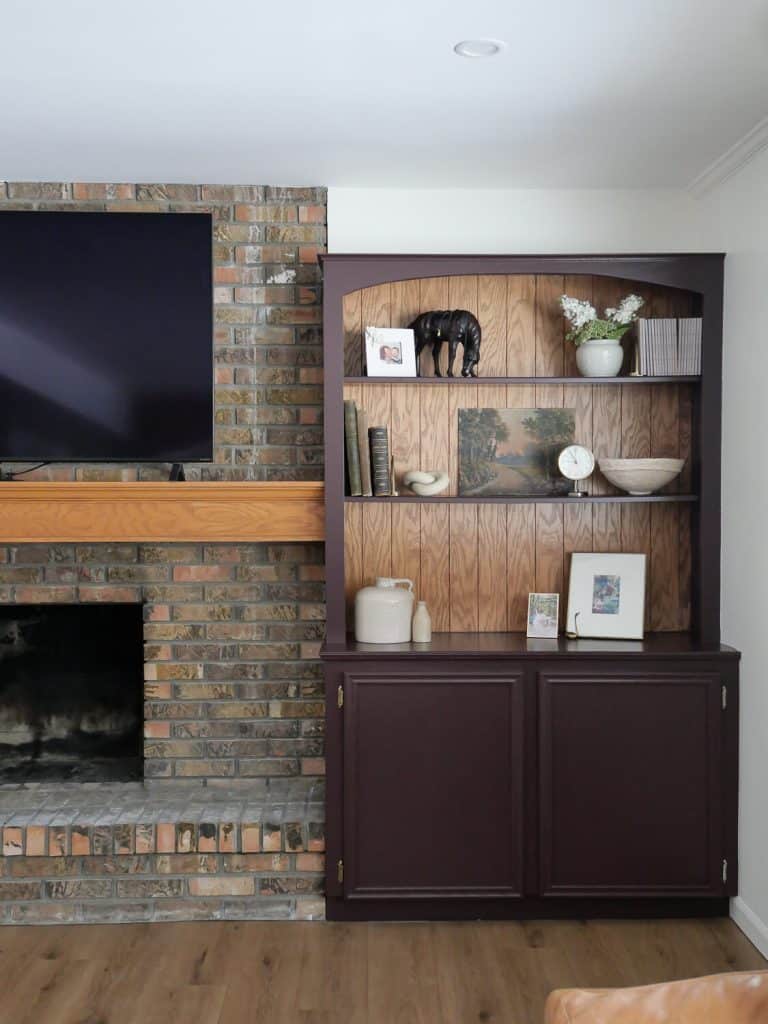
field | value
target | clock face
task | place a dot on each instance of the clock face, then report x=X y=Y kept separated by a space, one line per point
x=576 y=462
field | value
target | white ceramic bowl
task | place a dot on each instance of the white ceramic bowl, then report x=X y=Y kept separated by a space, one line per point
x=640 y=476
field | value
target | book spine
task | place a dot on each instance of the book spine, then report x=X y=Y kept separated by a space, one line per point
x=353 y=453
x=686 y=328
x=652 y=327
x=672 y=347
x=364 y=449
x=642 y=347
x=379 y=441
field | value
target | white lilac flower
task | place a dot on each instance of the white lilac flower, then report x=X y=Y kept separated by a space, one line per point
x=585 y=325
x=627 y=310
x=577 y=311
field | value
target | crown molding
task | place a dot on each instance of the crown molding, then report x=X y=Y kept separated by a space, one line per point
x=726 y=165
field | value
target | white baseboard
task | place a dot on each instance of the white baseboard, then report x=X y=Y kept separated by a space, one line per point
x=753 y=927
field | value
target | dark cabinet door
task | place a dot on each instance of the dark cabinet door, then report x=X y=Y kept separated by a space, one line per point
x=630 y=784
x=432 y=785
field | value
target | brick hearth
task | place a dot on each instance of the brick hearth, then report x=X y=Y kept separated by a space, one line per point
x=75 y=853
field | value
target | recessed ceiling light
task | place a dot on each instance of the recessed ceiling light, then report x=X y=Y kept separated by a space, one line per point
x=478 y=47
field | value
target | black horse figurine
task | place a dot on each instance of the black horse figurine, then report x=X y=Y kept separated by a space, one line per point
x=456 y=326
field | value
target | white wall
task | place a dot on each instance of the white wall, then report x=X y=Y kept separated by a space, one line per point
x=740 y=210
x=515 y=221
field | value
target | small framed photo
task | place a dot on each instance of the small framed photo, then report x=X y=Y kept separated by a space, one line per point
x=606 y=596
x=390 y=352
x=543 y=611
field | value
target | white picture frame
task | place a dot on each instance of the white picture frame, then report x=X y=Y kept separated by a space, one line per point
x=606 y=596
x=390 y=352
x=543 y=616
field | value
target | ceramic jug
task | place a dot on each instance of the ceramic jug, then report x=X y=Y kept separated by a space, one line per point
x=383 y=612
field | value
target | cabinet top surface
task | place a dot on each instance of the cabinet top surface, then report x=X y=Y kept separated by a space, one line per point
x=335 y=257
x=517 y=645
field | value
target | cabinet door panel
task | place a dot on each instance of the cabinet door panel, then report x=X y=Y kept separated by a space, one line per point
x=432 y=785
x=630 y=784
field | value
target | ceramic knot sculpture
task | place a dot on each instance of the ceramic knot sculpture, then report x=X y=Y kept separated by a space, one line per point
x=456 y=326
x=425 y=483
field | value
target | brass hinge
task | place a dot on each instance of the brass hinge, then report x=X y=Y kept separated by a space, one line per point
x=724 y=696
x=340 y=697
x=725 y=871
x=340 y=871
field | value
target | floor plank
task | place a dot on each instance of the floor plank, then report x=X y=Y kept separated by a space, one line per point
x=316 y=973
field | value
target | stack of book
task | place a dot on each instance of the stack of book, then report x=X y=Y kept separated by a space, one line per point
x=689 y=346
x=367 y=454
x=668 y=347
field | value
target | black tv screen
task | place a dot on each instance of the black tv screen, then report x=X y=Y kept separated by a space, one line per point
x=106 y=346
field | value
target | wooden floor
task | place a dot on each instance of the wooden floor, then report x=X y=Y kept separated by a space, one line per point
x=315 y=973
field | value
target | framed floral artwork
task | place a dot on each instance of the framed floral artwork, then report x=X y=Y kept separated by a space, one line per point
x=606 y=596
x=543 y=612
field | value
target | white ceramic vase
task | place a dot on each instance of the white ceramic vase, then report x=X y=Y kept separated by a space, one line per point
x=600 y=357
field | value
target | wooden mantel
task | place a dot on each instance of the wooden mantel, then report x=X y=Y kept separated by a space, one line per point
x=47 y=512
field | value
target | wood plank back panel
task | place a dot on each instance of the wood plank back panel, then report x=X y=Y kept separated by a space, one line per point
x=434 y=295
x=550 y=326
x=492 y=568
x=376 y=306
x=435 y=566
x=405 y=303
x=434 y=426
x=458 y=398
x=406 y=543
x=404 y=441
x=352 y=318
x=353 y=556
x=521 y=326
x=377 y=541
x=492 y=314
x=521 y=563
x=463 y=572
x=578 y=286
x=458 y=557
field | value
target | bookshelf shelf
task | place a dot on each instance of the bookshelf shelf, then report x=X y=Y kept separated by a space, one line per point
x=541 y=381
x=475 y=561
x=471 y=645
x=524 y=539
x=462 y=499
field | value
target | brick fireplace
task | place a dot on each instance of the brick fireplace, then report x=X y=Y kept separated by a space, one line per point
x=228 y=819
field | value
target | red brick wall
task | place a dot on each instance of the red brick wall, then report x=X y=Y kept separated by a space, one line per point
x=233 y=691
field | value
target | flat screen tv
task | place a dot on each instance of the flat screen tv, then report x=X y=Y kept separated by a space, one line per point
x=106 y=349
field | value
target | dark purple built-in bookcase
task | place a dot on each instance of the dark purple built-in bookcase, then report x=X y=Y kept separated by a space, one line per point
x=488 y=775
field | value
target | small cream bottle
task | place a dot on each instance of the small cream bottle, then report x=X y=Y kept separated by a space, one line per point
x=422 y=624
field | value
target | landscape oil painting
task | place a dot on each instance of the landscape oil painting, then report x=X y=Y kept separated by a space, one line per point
x=513 y=451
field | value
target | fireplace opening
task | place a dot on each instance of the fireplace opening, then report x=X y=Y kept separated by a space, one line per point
x=71 y=680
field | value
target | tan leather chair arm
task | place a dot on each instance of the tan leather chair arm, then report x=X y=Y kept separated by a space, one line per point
x=738 y=998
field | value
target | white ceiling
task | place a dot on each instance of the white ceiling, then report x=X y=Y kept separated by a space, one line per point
x=588 y=93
